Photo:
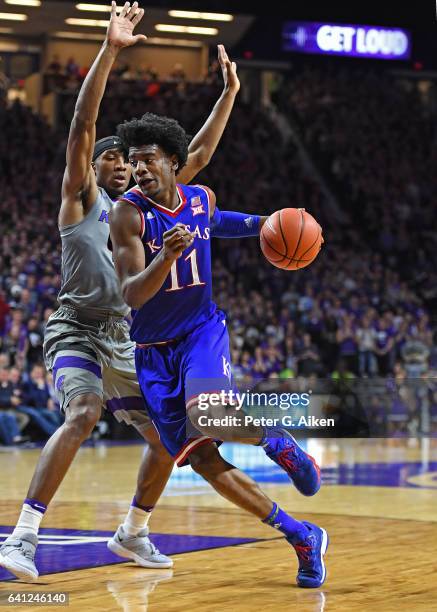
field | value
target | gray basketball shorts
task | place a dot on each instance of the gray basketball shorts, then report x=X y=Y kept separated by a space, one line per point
x=89 y=355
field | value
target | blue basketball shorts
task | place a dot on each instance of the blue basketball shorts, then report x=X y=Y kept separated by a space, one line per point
x=173 y=375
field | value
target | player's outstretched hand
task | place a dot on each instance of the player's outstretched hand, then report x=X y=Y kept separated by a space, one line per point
x=229 y=70
x=175 y=241
x=121 y=27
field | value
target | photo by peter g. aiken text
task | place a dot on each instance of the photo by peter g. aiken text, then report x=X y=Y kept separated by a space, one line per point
x=285 y=421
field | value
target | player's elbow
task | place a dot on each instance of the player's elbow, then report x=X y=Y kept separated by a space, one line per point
x=131 y=299
x=132 y=303
x=198 y=159
x=131 y=296
x=203 y=157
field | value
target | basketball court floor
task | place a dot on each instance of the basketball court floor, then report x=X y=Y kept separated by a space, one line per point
x=378 y=502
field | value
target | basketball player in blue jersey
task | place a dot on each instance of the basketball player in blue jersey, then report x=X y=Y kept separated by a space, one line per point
x=160 y=232
x=87 y=343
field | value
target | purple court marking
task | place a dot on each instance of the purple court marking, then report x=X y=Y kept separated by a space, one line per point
x=73 y=549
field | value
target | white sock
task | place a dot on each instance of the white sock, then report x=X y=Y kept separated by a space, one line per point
x=29 y=520
x=136 y=519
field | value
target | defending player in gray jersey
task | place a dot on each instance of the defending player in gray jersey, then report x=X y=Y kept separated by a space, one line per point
x=87 y=343
x=88 y=277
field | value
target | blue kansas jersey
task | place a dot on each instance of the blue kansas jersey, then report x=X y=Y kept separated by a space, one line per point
x=185 y=299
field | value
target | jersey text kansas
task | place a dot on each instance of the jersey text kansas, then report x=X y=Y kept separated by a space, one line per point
x=184 y=301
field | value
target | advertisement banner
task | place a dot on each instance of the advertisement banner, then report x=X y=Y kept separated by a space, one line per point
x=348 y=40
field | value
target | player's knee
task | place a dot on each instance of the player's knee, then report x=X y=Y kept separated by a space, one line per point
x=155 y=447
x=201 y=419
x=207 y=461
x=160 y=456
x=203 y=469
x=82 y=414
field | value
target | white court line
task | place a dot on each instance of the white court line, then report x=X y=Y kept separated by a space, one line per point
x=60 y=540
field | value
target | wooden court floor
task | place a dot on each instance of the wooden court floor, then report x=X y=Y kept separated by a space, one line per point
x=378 y=504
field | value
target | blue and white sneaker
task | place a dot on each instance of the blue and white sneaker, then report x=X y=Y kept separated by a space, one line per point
x=139 y=548
x=300 y=467
x=310 y=551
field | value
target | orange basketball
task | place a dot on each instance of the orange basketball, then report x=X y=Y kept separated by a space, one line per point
x=291 y=238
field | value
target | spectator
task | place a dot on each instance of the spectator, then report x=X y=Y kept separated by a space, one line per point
x=308 y=358
x=178 y=73
x=366 y=337
x=347 y=346
x=54 y=67
x=72 y=68
x=291 y=363
x=328 y=340
x=12 y=422
x=259 y=368
x=4 y=311
x=415 y=355
x=54 y=77
x=37 y=403
x=35 y=336
x=385 y=347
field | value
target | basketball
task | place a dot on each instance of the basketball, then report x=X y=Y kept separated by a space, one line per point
x=291 y=238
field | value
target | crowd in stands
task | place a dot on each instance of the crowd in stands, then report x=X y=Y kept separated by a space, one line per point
x=124 y=78
x=29 y=272
x=373 y=137
x=363 y=308
x=68 y=76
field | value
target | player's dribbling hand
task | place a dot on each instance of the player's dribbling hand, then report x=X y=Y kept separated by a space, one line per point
x=121 y=27
x=229 y=71
x=175 y=241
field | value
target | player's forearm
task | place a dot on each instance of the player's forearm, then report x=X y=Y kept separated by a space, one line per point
x=231 y=224
x=207 y=138
x=139 y=289
x=93 y=87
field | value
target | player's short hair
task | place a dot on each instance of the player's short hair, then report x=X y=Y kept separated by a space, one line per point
x=165 y=132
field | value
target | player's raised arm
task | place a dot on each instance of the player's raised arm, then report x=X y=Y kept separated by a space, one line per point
x=138 y=283
x=79 y=189
x=205 y=142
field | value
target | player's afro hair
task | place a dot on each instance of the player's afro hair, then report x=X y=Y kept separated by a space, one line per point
x=154 y=129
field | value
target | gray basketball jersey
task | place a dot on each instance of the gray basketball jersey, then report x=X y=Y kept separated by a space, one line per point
x=89 y=279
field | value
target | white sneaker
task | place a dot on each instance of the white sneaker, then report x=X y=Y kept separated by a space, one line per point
x=17 y=555
x=139 y=548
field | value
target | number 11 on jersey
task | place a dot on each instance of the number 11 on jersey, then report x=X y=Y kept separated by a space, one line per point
x=175 y=286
